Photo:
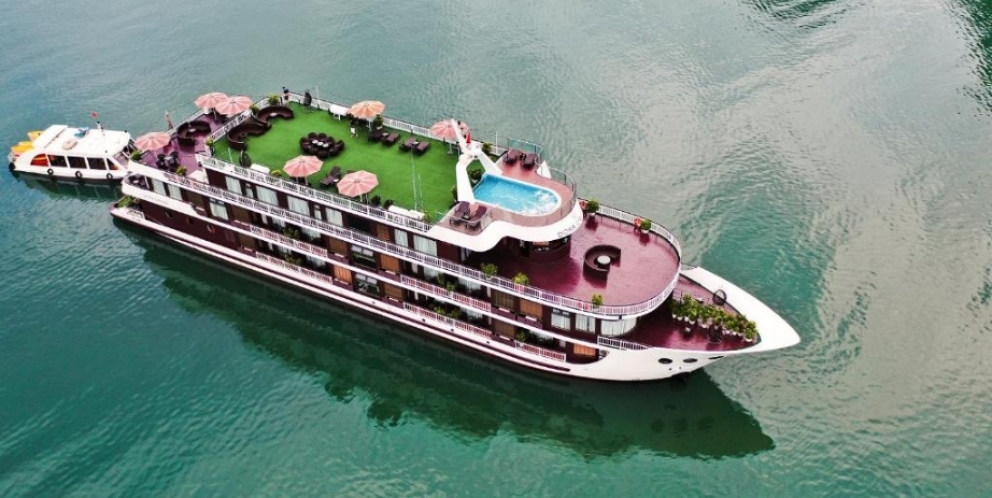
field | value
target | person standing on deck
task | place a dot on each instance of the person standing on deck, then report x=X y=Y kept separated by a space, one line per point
x=285 y=95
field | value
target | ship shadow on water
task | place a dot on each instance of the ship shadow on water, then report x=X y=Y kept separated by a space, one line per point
x=404 y=376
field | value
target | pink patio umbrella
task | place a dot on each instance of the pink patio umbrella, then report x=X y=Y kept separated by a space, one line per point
x=357 y=183
x=210 y=100
x=367 y=109
x=234 y=105
x=152 y=140
x=302 y=166
x=446 y=130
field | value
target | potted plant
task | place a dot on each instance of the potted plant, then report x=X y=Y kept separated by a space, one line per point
x=274 y=99
x=377 y=121
x=597 y=300
x=136 y=155
x=521 y=278
x=277 y=173
x=676 y=306
x=487 y=148
x=645 y=225
x=475 y=176
x=210 y=145
x=592 y=206
x=181 y=171
x=254 y=110
x=489 y=269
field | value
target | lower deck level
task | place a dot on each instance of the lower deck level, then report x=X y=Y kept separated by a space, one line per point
x=509 y=340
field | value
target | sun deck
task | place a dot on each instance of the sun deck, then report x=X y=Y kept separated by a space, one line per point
x=404 y=177
x=645 y=265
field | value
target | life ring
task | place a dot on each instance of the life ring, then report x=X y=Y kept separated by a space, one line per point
x=79 y=175
x=51 y=172
x=110 y=177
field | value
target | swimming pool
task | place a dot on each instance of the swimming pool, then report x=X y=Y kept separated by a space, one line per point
x=516 y=196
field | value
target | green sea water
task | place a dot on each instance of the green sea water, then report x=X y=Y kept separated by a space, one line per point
x=831 y=157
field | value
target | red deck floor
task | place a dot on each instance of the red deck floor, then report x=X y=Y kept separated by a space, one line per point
x=646 y=264
x=660 y=329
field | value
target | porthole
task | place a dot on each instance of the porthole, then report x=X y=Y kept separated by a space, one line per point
x=665 y=361
x=689 y=360
x=715 y=357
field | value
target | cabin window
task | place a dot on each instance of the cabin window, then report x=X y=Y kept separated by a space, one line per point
x=175 y=192
x=316 y=263
x=267 y=195
x=382 y=232
x=58 y=161
x=77 y=162
x=617 y=327
x=367 y=284
x=311 y=233
x=97 y=163
x=233 y=184
x=473 y=315
x=394 y=292
x=561 y=319
x=531 y=309
x=363 y=256
x=430 y=273
x=158 y=187
x=585 y=323
x=470 y=285
x=390 y=263
x=318 y=212
x=503 y=300
x=218 y=209
x=334 y=217
x=402 y=238
x=425 y=245
x=300 y=206
x=343 y=274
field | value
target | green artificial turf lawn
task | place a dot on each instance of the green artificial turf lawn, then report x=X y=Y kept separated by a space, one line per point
x=436 y=168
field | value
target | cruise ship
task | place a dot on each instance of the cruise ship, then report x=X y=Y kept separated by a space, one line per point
x=485 y=246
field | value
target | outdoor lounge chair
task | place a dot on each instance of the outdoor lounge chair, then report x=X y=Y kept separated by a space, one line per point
x=376 y=200
x=408 y=144
x=461 y=213
x=511 y=157
x=421 y=147
x=530 y=160
x=376 y=135
x=390 y=139
x=332 y=178
x=476 y=219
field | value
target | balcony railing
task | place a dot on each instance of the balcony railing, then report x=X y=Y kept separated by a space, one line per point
x=458 y=324
x=620 y=344
x=309 y=193
x=452 y=295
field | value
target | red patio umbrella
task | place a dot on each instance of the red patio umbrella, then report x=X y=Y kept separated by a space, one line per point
x=446 y=129
x=210 y=100
x=234 y=105
x=357 y=183
x=302 y=166
x=152 y=140
x=367 y=109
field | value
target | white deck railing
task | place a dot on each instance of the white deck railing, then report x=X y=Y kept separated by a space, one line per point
x=620 y=344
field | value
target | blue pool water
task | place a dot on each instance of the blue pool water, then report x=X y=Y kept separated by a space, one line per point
x=515 y=196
